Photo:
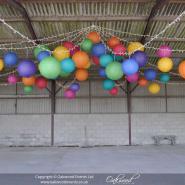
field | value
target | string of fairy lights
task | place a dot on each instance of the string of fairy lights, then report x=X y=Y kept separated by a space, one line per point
x=78 y=35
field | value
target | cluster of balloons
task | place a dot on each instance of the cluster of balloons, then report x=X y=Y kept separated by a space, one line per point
x=114 y=59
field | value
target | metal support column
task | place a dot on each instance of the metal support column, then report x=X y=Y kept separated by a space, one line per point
x=52 y=94
x=129 y=113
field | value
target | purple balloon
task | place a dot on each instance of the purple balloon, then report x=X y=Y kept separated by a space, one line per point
x=164 y=51
x=69 y=94
x=26 y=68
x=75 y=87
x=133 y=78
x=140 y=57
x=12 y=79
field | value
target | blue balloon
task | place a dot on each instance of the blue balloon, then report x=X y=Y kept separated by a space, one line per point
x=108 y=84
x=98 y=50
x=42 y=55
x=150 y=74
x=164 y=77
x=102 y=72
x=75 y=87
x=140 y=57
x=130 y=66
x=105 y=60
x=67 y=65
x=10 y=59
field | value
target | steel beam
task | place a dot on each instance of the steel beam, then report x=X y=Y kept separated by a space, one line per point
x=158 y=5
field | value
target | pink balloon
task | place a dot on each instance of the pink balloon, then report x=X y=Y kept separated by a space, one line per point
x=119 y=50
x=74 y=50
x=113 y=91
x=69 y=94
x=164 y=51
x=133 y=78
x=12 y=79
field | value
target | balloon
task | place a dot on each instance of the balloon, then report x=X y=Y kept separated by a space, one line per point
x=142 y=82
x=81 y=59
x=150 y=74
x=98 y=50
x=114 y=71
x=94 y=37
x=81 y=74
x=165 y=64
x=10 y=59
x=49 y=68
x=181 y=69
x=130 y=66
x=95 y=60
x=119 y=50
x=1 y=64
x=135 y=46
x=164 y=51
x=154 y=88
x=113 y=41
x=101 y=72
x=75 y=87
x=64 y=74
x=86 y=45
x=60 y=53
x=26 y=68
x=42 y=55
x=28 y=89
x=108 y=84
x=105 y=60
x=28 y=81
x=164 y=77
x=133 y=78
x=87 y=66
x=12 y=79
x=113 y=91
x=74 y=50
x=69 y=45
x=117 y=57
x=140 y=57
x=69 y=94
x=41 y=82
x=40 y=48
x=67 y=65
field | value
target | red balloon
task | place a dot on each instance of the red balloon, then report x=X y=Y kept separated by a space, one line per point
x=41 y=82
x=95 y=60
x=67 y=44
x=119 y=50
x=113 y=91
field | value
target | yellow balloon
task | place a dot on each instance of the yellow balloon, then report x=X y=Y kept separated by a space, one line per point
x=165 y=64
x=135 y=46
x=61 y=53
x=154 y=88
x=1 y=64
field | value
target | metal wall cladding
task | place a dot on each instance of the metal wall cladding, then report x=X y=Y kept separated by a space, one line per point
x=96 y=100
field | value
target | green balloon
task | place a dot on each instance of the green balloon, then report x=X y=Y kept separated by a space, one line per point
x=114 y=71
x=49 y=67
x=28 y=89
x=86 y=45
x=40 y=48
x=64 y=74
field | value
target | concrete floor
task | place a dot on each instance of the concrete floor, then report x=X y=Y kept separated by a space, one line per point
x=125 y=159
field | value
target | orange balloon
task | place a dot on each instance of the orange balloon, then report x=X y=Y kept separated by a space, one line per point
x=94 y=37
x=142 y=82
x=113 y=41
x=28 y=81
x=81 y=59
x=88 y=65
x=182 y=69
x=81 y=74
